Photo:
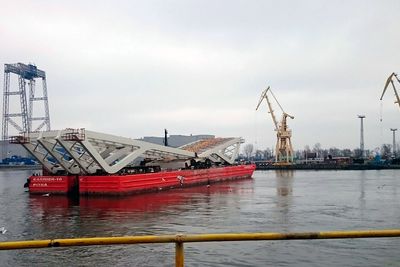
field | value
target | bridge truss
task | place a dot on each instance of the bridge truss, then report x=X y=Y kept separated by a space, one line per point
x=79 y=151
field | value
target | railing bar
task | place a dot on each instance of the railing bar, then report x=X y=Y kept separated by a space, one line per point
x=196 y=238
x=180 y=239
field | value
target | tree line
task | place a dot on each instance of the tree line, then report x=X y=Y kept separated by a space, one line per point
x=317 y=151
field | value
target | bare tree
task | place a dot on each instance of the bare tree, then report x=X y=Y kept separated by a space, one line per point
x=317 y=149
x=386 y=151
x=268 y=153
x=248 y=150
x=307 y=148
x=259 y=155
x=346 y=152
x=334 y=152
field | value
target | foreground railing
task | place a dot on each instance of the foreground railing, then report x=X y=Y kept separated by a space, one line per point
x=179 y=239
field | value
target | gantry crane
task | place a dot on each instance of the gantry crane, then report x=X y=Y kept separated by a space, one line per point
x=390 y=81
x=283 y=148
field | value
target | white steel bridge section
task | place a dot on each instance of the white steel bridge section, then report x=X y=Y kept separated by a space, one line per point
x=79 y=151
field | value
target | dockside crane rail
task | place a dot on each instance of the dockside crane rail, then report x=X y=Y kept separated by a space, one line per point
x=284 y=149
x=389 y=80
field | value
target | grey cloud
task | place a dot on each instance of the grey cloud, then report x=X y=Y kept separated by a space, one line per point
x=201 y=65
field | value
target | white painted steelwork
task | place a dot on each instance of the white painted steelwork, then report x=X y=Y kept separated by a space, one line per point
x=219 y=149
x=79 y=151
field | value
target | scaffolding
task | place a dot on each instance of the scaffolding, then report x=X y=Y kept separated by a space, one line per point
x=23 y=121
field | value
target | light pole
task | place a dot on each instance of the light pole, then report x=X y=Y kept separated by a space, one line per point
x=362 y=135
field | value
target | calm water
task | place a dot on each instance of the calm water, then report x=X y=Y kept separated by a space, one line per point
x=270 y=202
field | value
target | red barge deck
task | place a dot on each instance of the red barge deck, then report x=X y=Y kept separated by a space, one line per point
x=77 y=161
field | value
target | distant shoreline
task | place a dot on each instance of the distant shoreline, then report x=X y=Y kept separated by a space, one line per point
x=326 y=167
x=261 y=167
x=20 y=167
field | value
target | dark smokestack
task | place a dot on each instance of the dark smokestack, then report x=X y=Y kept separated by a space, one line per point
x=165 y=137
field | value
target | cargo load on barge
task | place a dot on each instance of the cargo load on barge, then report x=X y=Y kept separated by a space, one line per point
x=78 y=161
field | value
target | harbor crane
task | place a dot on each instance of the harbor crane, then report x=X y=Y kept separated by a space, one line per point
x=283 y=148
x=389 y=80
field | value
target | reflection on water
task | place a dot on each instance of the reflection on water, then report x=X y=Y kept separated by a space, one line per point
x=123 y=207
x=284 y=182
x=274 y=201
x=284 y=189
x=362 y=198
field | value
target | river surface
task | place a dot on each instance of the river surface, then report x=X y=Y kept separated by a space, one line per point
x=273 y=201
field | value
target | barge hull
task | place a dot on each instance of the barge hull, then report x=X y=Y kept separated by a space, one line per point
x=152 y=182
x=136 y=183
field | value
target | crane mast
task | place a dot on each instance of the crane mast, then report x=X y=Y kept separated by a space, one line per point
x=390 y=81
x=283 y=148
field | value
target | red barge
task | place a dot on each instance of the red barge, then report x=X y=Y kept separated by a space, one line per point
x=77 y=161
x=136 y=183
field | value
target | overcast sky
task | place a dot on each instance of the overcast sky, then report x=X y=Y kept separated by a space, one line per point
x=133 y=68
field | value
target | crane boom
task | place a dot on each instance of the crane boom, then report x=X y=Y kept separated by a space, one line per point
x=271 y=111
x=390 y=81
x=263 y=95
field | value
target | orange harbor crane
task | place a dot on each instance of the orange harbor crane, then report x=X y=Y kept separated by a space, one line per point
x=283 y=148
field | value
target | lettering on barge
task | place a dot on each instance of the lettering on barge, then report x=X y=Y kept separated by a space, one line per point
x=39 y=185
x=42 y=181
x=47 y=179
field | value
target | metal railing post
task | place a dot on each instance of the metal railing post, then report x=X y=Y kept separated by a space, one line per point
x=179 y=254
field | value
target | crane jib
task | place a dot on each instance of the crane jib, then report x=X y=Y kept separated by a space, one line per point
x=390 y=81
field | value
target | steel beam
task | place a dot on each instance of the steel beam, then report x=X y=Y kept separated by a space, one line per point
x=90 y=151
